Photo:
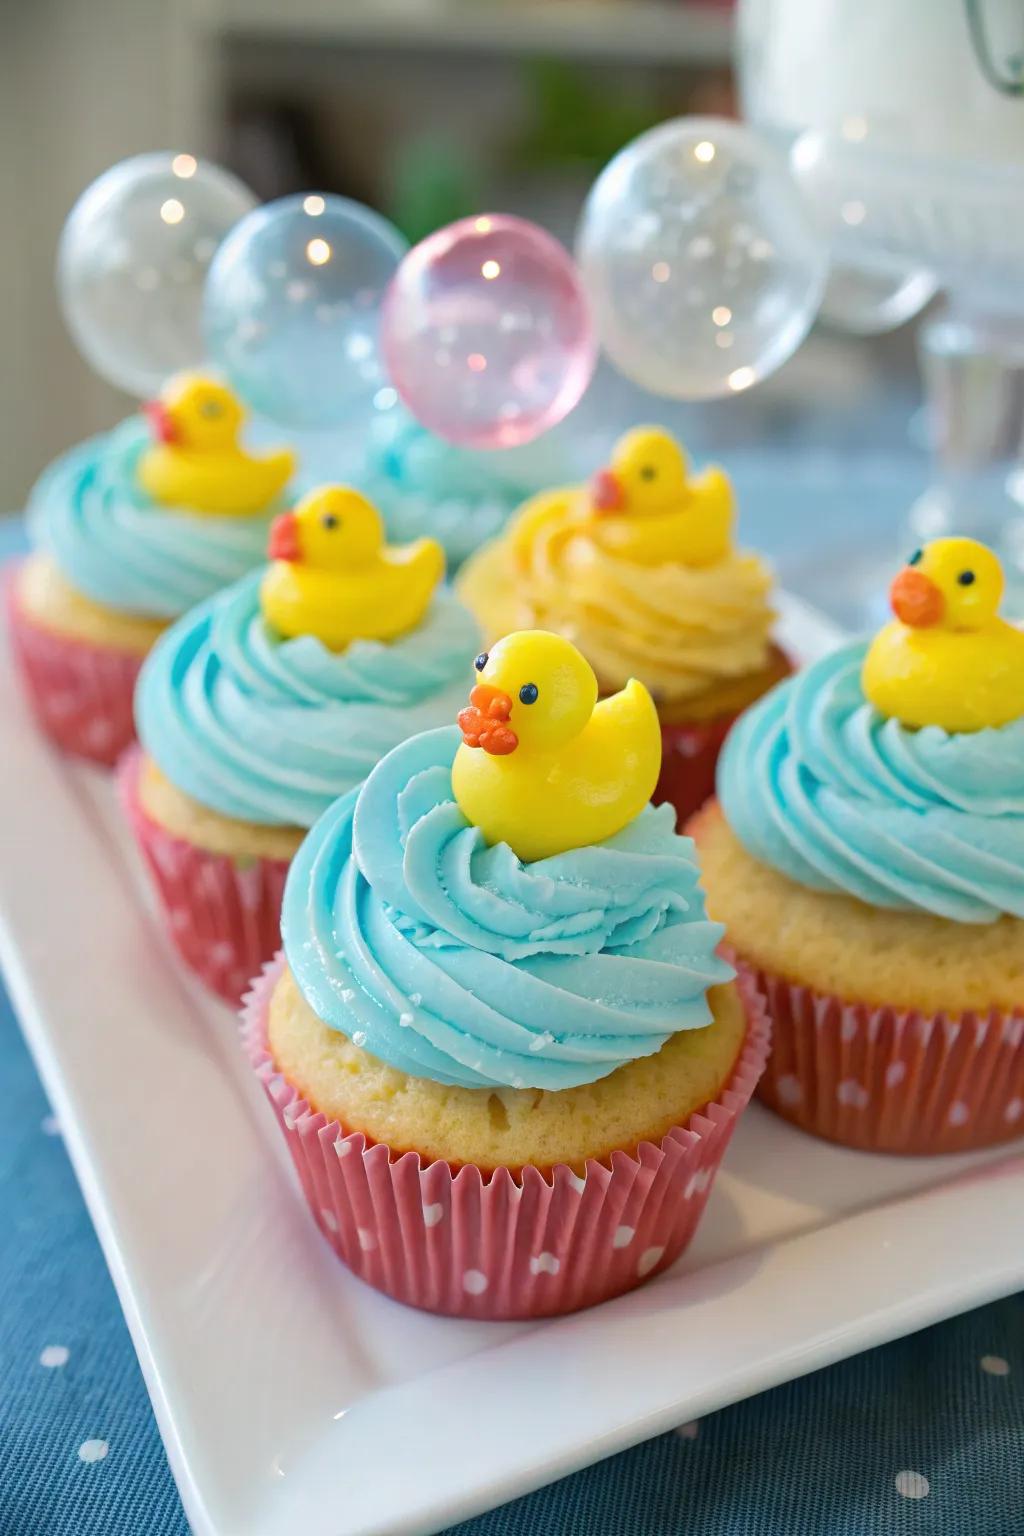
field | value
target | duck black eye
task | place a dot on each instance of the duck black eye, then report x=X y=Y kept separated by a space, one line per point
x=648 y=472
x=967 y=578
x=916 y=557
x=528 y=693
x=481 y=661
x=329 y=520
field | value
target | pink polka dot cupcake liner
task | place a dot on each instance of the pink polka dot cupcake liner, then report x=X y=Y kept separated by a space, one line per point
x=80 y=694
x=891 y=1080
x=502 y=1246
x=223 y=915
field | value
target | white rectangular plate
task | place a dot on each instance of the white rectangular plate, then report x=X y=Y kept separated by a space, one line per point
x=285 y=1390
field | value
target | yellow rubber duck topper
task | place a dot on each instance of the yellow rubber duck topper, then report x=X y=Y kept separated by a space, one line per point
x=196 y=461
x=948 y=659
x=332 y=575
x=544 y=766
x=651 y=508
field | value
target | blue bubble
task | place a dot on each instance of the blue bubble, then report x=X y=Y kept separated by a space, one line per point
x=292 y=307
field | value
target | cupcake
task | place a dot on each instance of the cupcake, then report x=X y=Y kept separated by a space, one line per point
x=639 y=570
x=500 y=1043
x=130 y=530
x=866 y=855
x=264 y=704
x=423 y=485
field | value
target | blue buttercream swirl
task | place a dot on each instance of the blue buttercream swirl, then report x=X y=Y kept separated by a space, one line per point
x=454 y=961
x=422 y=485
x=119 y=547
x=818 y=784
x=269 y=730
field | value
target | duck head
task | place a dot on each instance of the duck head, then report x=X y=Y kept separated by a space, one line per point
x=647 y=473
x=534 y=692
x=952 y=584
x=331 y=528
x=197 y=414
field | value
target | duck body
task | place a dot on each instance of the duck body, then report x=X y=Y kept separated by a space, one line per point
x=647 y=508
x=948 y=659
x=196 y=461
x=332 y=576
x=545 y=767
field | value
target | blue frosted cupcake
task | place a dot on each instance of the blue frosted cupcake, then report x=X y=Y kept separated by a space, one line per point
x=251 y=724
x=425 y=486
x=130 y=530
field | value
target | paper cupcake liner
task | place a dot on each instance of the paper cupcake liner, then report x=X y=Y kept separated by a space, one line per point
x=223 y=914
x=689 y=756
x=501 y=1246
x=81 y=694
x=891 y=1080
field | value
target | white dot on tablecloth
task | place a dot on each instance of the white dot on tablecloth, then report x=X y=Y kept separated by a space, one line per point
x=54 y=1355
x=475 y=1282
x=994 y=1365
x=92 y=1450
x=689 y=1431
x=912 y=1485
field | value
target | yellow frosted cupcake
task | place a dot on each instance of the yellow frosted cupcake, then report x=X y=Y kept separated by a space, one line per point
x=639 y=570
x=507 y=1066
x=866 y=857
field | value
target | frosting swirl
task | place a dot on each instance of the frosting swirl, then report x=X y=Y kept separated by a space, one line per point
x=680 y=629
x=272 y=731
x=425 y=486
x=455 y=961
x=117 y=546
x=819 y=785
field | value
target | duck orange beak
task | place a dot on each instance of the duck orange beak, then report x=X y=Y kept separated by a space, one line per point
x=484 y=721
x=916 y=600
x=283 y=543
x=606 y=492
x=161 y=420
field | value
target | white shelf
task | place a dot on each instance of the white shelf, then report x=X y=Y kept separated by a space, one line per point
x=665 y=31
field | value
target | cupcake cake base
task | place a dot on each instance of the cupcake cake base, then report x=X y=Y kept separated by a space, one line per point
x=506 y=1244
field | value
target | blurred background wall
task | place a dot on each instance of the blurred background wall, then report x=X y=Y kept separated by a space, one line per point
x=427 y=109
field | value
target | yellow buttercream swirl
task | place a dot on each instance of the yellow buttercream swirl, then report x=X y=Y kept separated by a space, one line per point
x=680 y=629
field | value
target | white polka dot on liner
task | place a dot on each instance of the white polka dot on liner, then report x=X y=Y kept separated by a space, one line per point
x=432 y=1214
x=54 y=1355
x=367 y=1240
x=851 y=1093
x=895 y=1072
x=475 y=1282
x=959 y=1113
x=544 y=1264
x=92 y=1450
x=788 y=1089
x=912 y=1485
x=648 y=1259
x=994 y=1365
x=329 y=1220
x=623 y=1237
x=1013 y=1110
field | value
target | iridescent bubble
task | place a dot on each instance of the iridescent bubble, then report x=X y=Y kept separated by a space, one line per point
x=486 y=332
x=133 y=260
x=702 y=266
x=292 y=308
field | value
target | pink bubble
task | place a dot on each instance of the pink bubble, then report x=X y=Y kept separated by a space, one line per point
x=486 y=332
